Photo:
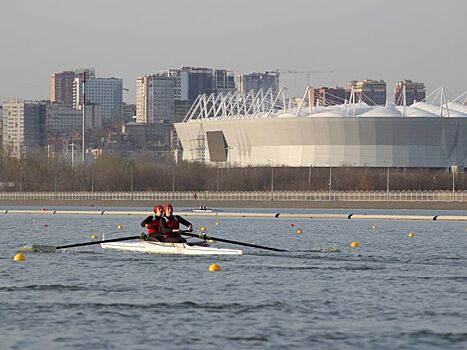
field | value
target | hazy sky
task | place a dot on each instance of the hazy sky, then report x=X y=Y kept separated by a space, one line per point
x=423 y=40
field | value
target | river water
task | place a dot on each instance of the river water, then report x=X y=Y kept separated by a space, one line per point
x=393 y=292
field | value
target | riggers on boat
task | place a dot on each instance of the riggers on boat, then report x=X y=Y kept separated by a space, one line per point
x=170 y=248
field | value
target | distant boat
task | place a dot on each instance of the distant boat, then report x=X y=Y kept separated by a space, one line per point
x=205 y=210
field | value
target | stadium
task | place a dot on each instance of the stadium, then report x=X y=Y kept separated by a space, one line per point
x=266 y=129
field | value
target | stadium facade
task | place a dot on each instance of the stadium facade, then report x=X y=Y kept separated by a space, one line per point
x=266 y=129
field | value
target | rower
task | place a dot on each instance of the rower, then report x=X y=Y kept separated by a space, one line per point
x=155 y=225
x=172 y=222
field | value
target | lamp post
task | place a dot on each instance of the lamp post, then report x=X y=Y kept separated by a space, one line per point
x=72 y=154
x=131 y=181
x=330 y=181
x=217 y=179
x=387 y=180
x=453 y=170
x=20 y=179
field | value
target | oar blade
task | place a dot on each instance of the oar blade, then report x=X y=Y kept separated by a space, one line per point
x=206 y=237
x=36 y=248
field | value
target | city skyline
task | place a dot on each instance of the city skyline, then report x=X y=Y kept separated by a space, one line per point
x=362 y=40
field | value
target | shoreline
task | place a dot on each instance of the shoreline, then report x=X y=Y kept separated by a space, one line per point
x=5 y=204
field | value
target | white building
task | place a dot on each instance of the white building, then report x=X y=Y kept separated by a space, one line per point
x=23 y=126
x=106 y=92
x=154 y=98
x=260 y=130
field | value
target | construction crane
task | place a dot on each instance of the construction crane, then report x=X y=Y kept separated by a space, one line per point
x=307 y=72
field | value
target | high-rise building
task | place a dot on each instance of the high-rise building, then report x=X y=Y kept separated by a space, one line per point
x=61 y=84
x=331 y=96
x=154 y=98
x=224 y=81
x=129 y=112
x=106 y=92
x=90 y=73
x=414 y=92
x=24 y=127
x=372 y=92
x=181 y=78
x=257 y=81
x=200 y=81
x=62 y=119
x=189 y=82
x=61 y=87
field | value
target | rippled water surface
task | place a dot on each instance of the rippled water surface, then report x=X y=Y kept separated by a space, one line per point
x=394 y=291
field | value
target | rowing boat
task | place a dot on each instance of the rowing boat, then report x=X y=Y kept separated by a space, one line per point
x=169 y=248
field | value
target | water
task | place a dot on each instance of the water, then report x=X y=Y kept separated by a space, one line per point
x=392 y=292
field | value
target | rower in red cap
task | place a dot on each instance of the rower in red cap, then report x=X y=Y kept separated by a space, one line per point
x=155 y=225
x=172 y=222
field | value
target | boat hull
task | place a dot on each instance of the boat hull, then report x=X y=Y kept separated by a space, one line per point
x=169 y=248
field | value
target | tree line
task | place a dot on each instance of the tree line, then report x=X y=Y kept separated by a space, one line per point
x=40 y=172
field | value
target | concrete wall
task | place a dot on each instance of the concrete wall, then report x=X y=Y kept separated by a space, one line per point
x=337 y=141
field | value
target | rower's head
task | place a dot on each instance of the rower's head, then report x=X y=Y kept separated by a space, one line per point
x=158 y=210
x=168 y=209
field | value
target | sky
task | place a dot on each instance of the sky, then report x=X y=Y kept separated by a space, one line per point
x=422 y=40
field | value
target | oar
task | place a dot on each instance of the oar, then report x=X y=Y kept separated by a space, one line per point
x=206 y=237
x=49 y=248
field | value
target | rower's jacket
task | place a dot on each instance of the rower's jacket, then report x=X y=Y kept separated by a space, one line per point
x=155 y=225
x=173 y=222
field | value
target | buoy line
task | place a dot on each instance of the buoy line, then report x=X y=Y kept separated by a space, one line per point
x=399 y=217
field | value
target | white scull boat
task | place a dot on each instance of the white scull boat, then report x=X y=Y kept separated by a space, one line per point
x=169 y=248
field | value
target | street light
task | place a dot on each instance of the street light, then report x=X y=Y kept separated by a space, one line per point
x=330 y=181
x=453 y=170
x=387 y=181
x=272 y=178
x=72 y=154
